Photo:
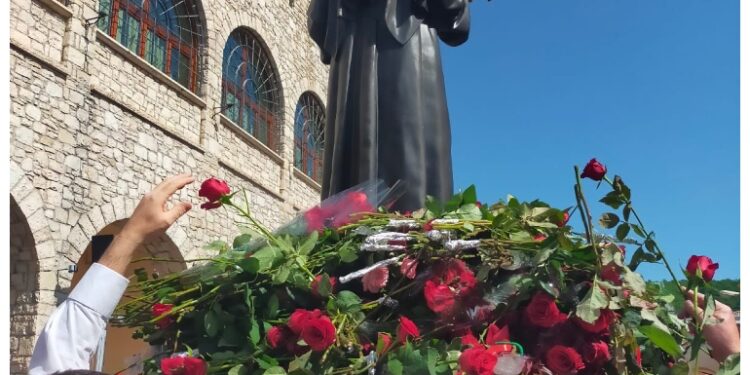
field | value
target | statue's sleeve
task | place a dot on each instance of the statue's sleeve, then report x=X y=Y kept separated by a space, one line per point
x=317 y=26
x=450 y=18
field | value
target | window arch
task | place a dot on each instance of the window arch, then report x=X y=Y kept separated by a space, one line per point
x=250 y=88
x=166 y=33
x=309 y=139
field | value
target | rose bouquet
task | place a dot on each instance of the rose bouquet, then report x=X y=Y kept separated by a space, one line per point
x=458 y=287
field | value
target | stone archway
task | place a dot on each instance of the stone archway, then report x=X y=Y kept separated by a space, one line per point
x=33 y=268
x=121 y=350
x=24 y=290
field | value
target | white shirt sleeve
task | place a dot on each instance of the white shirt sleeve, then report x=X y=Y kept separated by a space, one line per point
x=73 y=330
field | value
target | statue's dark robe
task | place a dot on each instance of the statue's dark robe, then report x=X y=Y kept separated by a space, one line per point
x=387 y=115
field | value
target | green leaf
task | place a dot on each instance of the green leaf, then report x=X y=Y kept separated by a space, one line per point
x=241 y=242
x=276 y=370
x=650 y=245
x=266 y=257
x=254 y=332
x=281 y=275
x=622 y=231
x=638 y=230
x=272 y=309
x=661 y=339
x=324 y=286
x=348 y=302
x=250 y=265
x=212 y=323
x=612 y=199
x=300 y=362
x=218 y=246
x=590 y=308
x=237 y=370
x=348 y=253
x=395 y=367
x=469 y=211
x=432 y=358
x=620 y=187
x=634 y=281
x=608 y=220
x=230 y=337
x=626 y=212
x=730 y=366
x=309 y=244
x=470 y=195
x=708 y=312
x=641 y=256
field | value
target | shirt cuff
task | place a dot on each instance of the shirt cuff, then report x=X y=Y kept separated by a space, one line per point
x=100 y=289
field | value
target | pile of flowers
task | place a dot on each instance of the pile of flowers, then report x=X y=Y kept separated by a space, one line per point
x=459 y=287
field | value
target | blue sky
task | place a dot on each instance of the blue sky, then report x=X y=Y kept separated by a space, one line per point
x=649 y=87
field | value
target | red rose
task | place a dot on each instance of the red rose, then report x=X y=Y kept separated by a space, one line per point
x=703 y=264
x=455 y=274
x=427 y=226
x=351 y=208
x=315 y=284
x=213 y=190
x=375 y=280
x=594 y=170
x=319 y=333
x=566 y=217
x=406 y=329
x=279 y=336
x=439 y=298
x=160 y=309
x=611 y=273
x=542 y=311
x=409 y=267
x=563 y=360
x=602 y=323
x=299 y=318
x=477 y=361
x=596 y=352
x=315 y=219
x=183 y=366
x=496 y=334
x=384 y=343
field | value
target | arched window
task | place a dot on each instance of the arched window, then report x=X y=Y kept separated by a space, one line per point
x=166 y=33
x=309 y=140
x=251 y=92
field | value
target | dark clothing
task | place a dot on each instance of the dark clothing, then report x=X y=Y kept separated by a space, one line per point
x=387 y=115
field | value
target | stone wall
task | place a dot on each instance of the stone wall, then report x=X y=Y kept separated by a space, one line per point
x=93 y=127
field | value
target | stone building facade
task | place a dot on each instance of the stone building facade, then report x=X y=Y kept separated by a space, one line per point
x=94 y=126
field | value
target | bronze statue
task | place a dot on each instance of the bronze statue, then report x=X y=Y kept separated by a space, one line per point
x=387 y=115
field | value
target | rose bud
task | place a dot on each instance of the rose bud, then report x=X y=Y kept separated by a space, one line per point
x=594 y=170
x=213 y=190
x=703 y=264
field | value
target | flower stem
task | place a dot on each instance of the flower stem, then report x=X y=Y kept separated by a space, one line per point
x=586 y=215
x=664 y=261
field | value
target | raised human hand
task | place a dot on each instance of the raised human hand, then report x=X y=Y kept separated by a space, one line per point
x=150 y=218
x=723 y=336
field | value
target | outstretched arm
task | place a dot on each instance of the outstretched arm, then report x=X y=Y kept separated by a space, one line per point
x=73 y=330
x=450 y=18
